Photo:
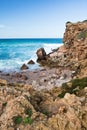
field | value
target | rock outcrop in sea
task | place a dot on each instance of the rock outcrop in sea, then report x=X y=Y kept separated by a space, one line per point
x=60 y=108
x=41 y=54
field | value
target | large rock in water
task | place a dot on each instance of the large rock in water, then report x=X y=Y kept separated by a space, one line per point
x=41 y=54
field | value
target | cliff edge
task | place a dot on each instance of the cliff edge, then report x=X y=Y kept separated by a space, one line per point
x=73 y=54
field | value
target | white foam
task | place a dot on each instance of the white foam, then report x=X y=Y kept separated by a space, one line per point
x=10 y=65
x=49 y=47
x=22 y=53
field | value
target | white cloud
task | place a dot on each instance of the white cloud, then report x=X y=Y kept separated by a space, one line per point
x=2 y=26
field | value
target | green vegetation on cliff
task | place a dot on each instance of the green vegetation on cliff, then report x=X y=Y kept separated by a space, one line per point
x=85 y=21
x=73 y=87
x=28 y=112
x=27 y=120
x=82 y=35
x=17 y=119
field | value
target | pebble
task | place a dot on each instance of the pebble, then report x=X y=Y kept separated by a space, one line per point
x=62 y=78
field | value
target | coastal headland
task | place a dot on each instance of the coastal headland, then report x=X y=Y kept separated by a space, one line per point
x=54 y=97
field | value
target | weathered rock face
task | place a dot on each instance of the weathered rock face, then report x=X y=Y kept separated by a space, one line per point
x=75 y=32
x=75 y=36
x=22 y=108
x=73 y=54
x=41 y=54
x=75 y=42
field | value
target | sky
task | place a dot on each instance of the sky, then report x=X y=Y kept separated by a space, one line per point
x=39 y=18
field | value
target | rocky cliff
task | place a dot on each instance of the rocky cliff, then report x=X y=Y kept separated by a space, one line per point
x=75 y=33
x=75 y=42
x=73 y=54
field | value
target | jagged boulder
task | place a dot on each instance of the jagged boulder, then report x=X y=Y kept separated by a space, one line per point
x=41 y=54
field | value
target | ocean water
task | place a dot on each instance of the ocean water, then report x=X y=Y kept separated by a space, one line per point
x=15 y=52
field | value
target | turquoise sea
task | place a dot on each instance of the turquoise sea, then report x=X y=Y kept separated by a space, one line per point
x=15 y=52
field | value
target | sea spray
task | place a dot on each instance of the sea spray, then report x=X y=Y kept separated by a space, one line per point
x=15 y=52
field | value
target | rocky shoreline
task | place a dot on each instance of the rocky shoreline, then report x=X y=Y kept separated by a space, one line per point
x=53 y=98
x=45 y=78
x=23 y=108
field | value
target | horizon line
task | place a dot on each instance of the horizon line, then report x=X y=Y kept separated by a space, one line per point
x=34 y=38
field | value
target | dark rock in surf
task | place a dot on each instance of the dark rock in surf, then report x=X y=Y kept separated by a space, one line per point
x=24 y=67
x=31 y=62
